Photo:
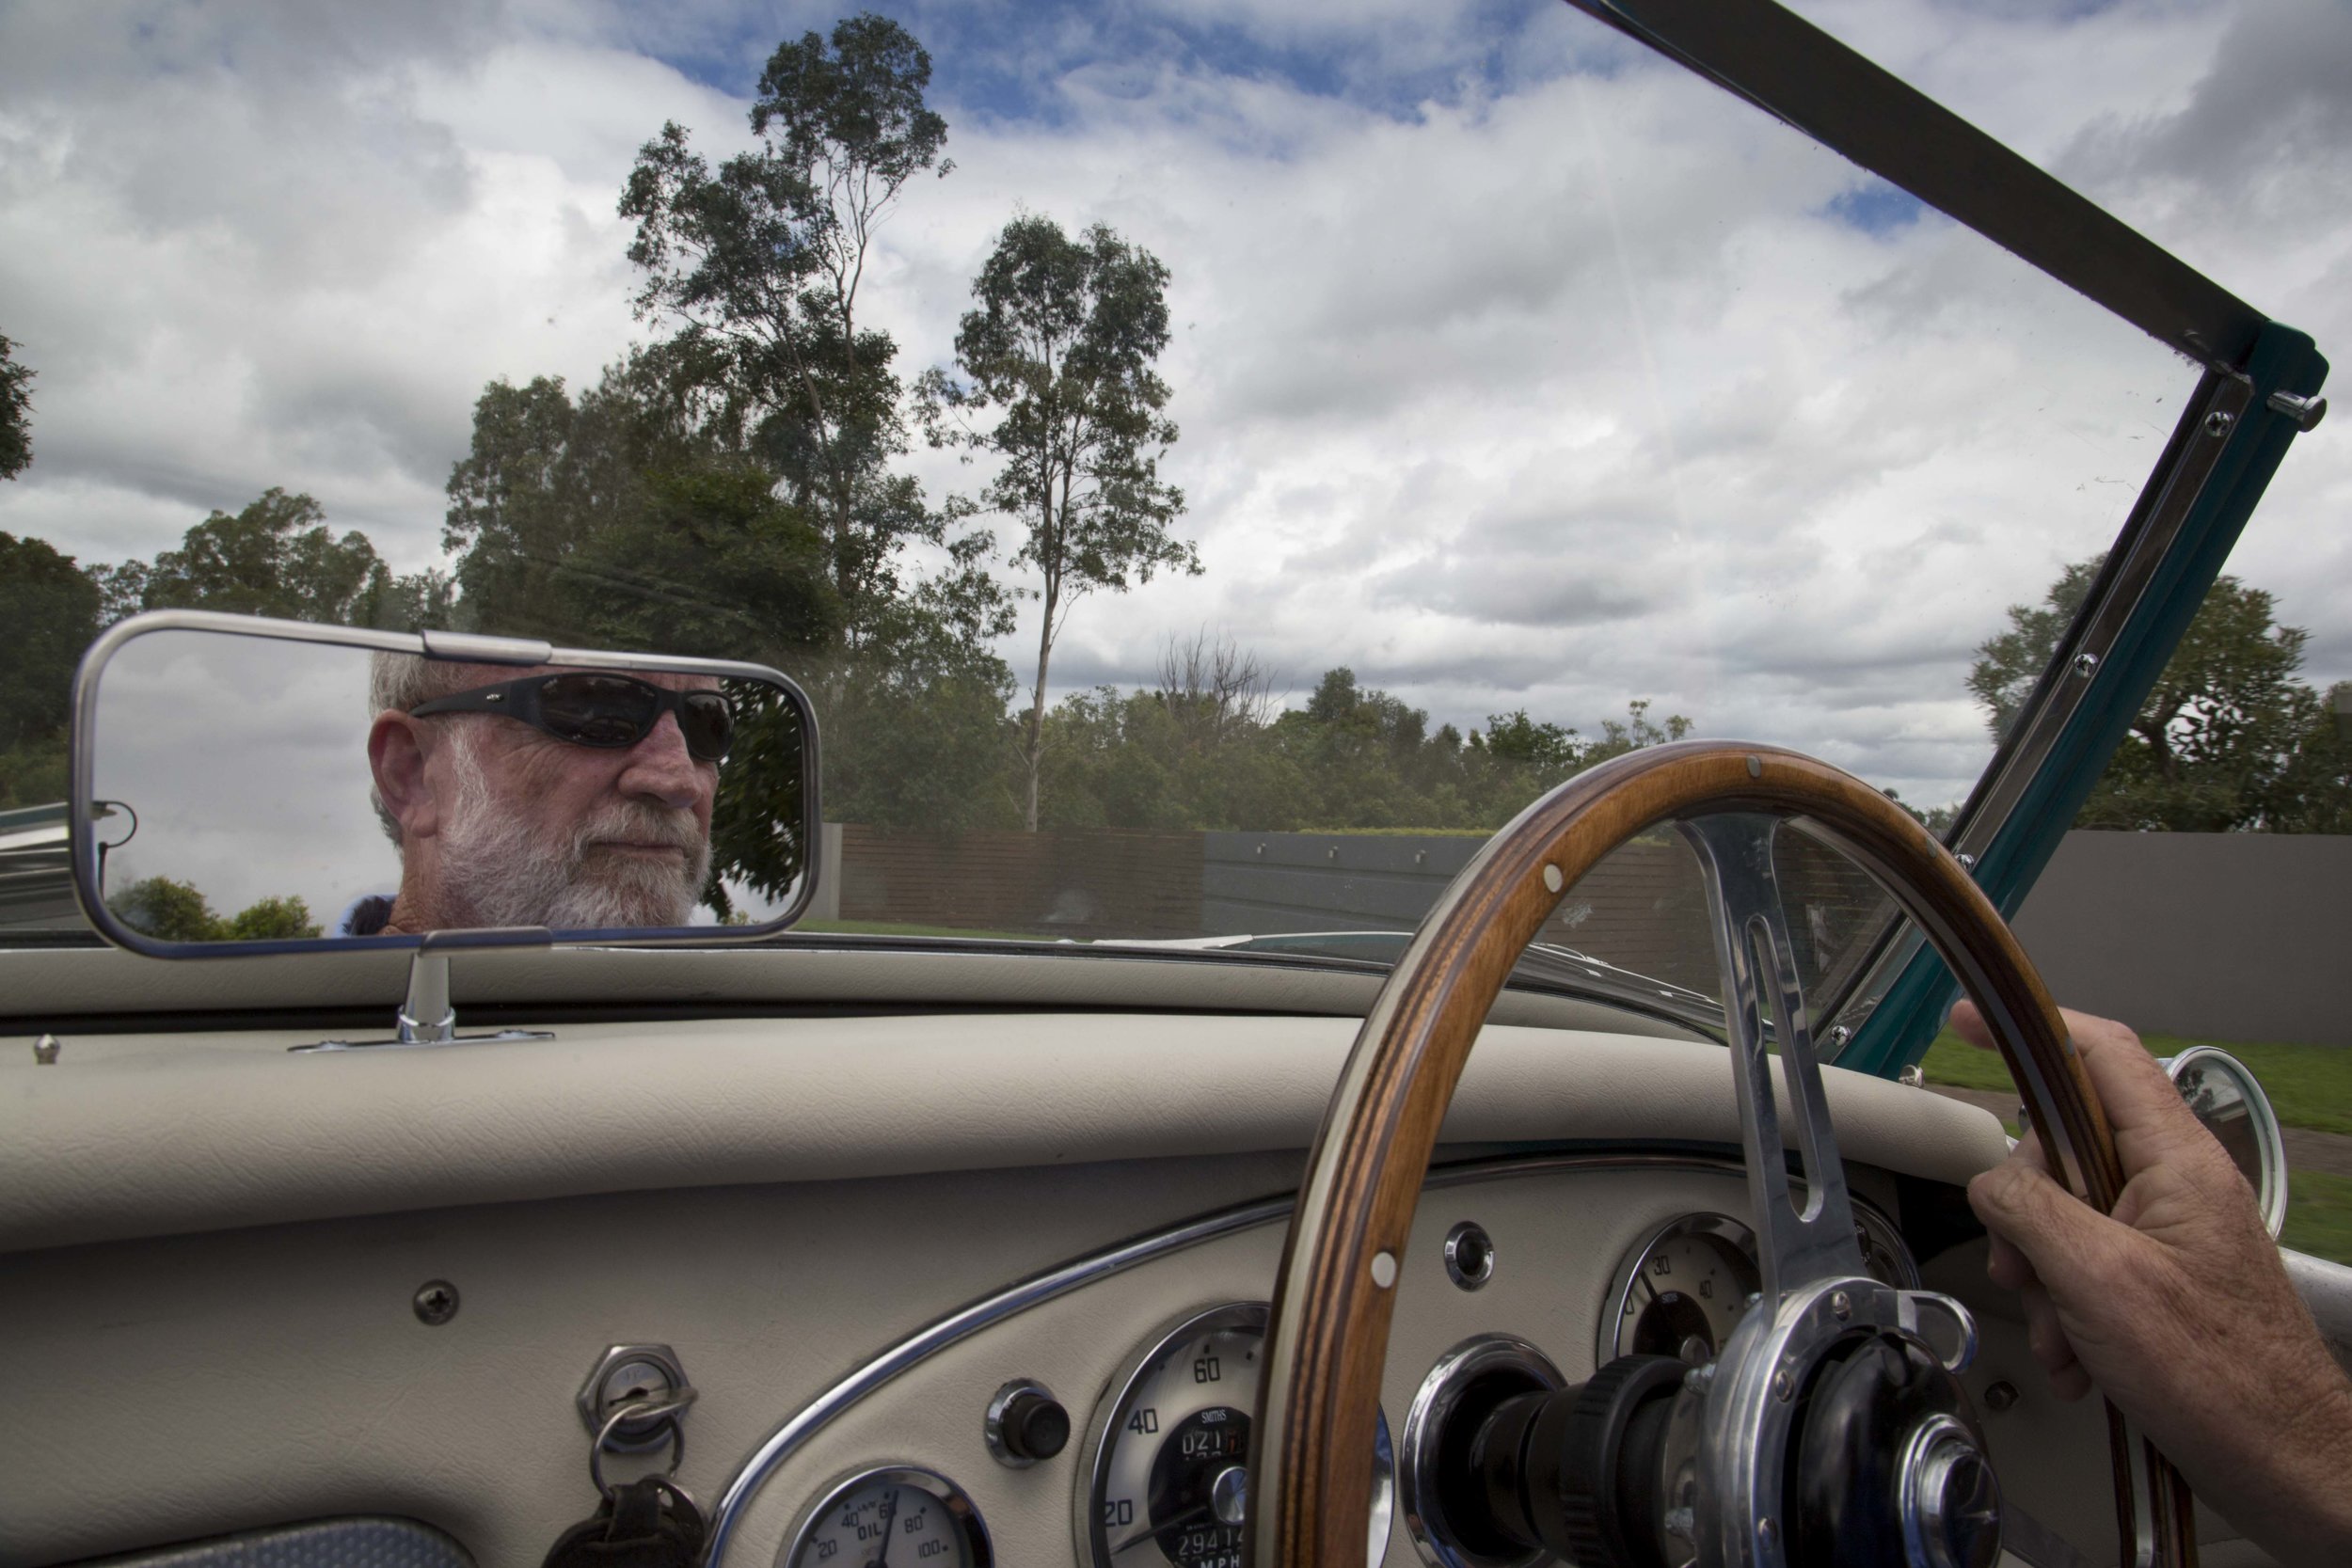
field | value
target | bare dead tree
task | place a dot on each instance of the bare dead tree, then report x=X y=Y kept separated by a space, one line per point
x=1214 y=686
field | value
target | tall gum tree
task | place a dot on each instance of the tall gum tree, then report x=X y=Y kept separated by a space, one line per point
x=1058 y=385
x=16 y=412
x=758 y=266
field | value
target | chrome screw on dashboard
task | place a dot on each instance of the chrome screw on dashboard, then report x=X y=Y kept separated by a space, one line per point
x=1469 y=1255
x=45 y=1050
x=435 y=1302
x=2000 y=1396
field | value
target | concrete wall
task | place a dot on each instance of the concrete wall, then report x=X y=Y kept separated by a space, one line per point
x=2216 y=936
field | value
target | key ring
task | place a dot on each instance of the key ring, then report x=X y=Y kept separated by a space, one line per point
x=665 y=1408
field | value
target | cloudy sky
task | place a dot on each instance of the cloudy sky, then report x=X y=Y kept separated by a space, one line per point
x=1513 y=367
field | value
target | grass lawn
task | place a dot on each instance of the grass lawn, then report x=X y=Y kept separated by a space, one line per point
x=2310 y=1085
x=2319 y=1215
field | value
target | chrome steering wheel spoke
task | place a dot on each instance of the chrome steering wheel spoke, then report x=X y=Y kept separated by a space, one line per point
x=1796 y=1244
x=1820 y=1305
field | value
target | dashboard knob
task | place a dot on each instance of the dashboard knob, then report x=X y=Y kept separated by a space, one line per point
x=1036 y=1425
x=1025 y=1424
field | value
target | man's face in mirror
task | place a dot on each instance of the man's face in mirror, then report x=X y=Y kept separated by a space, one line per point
x=501 y=821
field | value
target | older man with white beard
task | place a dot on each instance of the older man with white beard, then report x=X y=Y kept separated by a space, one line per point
x=568 y=798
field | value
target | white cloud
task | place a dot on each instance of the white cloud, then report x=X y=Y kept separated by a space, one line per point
x=1506 y=386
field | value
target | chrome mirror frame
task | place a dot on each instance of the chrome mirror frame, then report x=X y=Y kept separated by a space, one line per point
x=2261 y=1120
x=84 y=845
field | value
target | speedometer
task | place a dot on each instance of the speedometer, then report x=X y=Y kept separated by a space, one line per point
x=1169 y=1454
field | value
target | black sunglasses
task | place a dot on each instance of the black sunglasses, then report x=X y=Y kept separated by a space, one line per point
x=607 y=711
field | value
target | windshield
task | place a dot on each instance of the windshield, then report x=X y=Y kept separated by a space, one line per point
x=1207 y=474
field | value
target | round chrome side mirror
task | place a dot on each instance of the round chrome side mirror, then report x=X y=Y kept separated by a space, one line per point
x=2227 y=1098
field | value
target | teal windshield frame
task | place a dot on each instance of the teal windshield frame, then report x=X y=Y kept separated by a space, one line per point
x=2248 y=408
x=2010 y=842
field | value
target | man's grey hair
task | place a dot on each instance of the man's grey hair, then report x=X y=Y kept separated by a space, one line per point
x=398 y=682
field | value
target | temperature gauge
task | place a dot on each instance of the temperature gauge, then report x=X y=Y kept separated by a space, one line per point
x=1681 y=1293
x=894 y=1517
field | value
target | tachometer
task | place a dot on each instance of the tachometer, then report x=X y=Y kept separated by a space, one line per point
x=1169 y=1452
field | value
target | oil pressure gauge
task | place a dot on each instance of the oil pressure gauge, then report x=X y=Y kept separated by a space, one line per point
x=1168 y=1459
x=894 y=1516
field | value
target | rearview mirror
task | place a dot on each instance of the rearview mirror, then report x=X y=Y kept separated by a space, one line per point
x=245 y=785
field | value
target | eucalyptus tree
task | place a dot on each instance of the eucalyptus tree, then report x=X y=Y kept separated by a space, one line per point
x=759 y=265
x=1059 y=387
x=277 y=557
x=16 y=408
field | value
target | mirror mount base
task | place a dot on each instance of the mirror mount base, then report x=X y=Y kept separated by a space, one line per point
x=427 y=1016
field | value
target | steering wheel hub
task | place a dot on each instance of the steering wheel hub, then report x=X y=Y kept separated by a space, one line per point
x=1949 y=1501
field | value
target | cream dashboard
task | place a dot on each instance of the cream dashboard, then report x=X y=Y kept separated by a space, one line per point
x=857 y=1236
x=1527 y=1270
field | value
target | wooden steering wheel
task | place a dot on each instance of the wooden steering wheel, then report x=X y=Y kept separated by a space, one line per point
x=1742 y=1458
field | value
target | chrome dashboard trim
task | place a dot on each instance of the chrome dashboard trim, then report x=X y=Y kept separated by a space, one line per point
x=1039 y=1289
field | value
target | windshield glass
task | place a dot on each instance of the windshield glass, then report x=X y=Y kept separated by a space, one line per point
x=1206 y=474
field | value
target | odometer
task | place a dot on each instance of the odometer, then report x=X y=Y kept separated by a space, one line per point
x=1168 y=1455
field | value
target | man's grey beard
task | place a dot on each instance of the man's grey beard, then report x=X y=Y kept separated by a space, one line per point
x=495 y=872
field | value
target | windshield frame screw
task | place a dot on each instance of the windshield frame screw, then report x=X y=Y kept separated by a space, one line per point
x=435 y=1302
x=2085 y=665
x=2220 y=422
x=45 y=1050
x=2304 y=413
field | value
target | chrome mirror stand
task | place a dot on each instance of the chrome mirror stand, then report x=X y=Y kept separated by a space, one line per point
x=427 y=1016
